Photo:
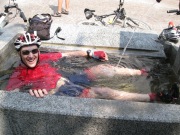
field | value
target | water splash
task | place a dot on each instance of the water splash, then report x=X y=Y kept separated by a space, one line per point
x=124 y=50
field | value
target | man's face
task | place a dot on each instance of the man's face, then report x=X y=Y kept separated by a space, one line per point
x=29 y=55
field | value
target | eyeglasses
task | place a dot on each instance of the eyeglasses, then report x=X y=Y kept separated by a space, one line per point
x=27 y=52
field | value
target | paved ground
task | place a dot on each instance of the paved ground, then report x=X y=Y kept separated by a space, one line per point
x=147 y=10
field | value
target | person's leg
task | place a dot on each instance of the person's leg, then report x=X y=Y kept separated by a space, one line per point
x=166 y=96
x=109 y=71
x=60 y=2
x=67 y=5
x=108 y=93
x=66 y=10
x=59 y=10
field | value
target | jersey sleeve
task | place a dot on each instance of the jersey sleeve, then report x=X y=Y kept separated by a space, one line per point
x=51 y=56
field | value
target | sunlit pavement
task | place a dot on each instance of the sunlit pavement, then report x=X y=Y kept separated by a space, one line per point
x=149 y=11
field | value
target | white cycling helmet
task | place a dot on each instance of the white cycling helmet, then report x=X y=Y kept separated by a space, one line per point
x=25 y=40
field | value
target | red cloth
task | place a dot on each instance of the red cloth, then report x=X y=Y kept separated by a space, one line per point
x=43 y=76
x=85 y=93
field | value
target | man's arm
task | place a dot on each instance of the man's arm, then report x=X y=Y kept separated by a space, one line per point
x=100 y=55
x=74 y=54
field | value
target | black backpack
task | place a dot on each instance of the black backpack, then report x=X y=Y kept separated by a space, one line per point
x=42 y=24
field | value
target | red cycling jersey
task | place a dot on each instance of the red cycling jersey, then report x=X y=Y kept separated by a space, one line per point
x=43 y=76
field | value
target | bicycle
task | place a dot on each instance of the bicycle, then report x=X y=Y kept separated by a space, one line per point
x=120 y=18
x=4 y=17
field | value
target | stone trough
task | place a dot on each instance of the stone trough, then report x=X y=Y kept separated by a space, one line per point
x=25 y=115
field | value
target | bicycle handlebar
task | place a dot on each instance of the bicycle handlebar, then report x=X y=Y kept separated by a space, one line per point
x=174 y=11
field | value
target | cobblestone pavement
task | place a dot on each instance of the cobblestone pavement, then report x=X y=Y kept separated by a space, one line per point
x=149 y=11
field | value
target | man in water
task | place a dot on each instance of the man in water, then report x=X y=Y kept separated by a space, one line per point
x=40 y=78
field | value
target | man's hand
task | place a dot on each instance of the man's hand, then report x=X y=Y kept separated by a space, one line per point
x=38 y=93
x=100 y=55
x=158 y=1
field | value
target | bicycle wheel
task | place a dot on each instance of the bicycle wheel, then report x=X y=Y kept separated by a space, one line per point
x=89 y=23
x=135 y=23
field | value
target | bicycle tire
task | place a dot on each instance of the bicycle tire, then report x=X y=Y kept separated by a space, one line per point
x=141 y=25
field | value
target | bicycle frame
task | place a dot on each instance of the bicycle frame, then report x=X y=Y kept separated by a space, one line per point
x=119 y=14
x=100 y=18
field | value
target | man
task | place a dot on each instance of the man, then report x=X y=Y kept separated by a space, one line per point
x=36 y=75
